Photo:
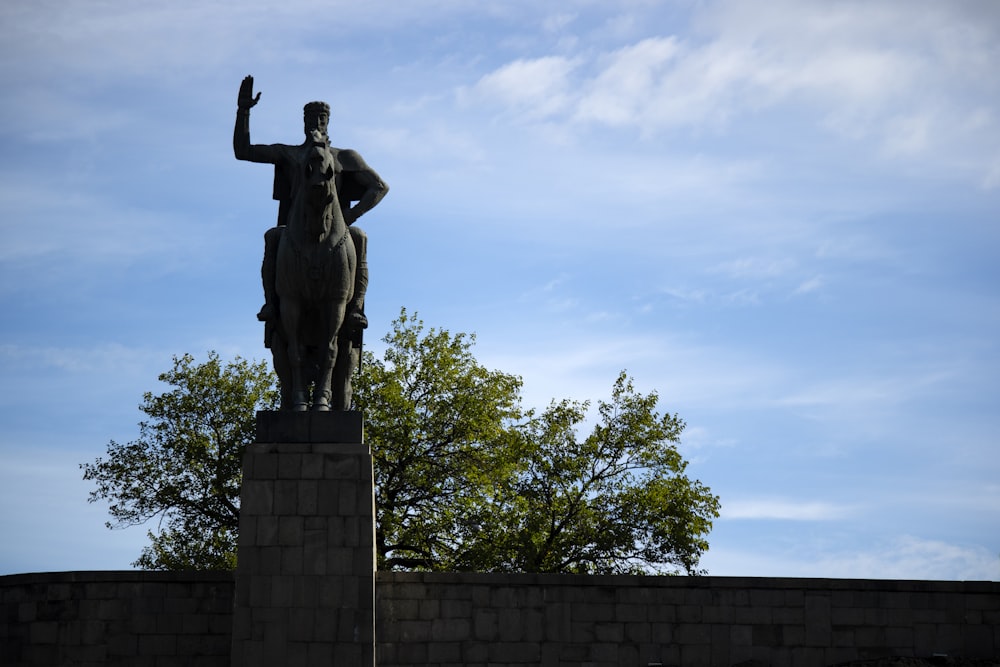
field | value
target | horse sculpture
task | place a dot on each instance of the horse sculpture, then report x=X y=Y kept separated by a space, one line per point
x=314 y=281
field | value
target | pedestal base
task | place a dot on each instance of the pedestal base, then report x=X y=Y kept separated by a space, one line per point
x=305 y=579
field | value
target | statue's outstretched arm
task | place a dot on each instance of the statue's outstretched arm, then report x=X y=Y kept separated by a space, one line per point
x=241 y=133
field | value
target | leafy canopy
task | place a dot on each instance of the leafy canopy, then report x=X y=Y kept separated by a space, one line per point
x=466 y=479
x=439 y=425
x=617 y=501
x=185 y=467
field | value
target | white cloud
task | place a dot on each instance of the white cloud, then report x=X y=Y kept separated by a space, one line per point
x=908 y=557
x=80 y=360
x=43 y=500
x=81 y=227
x=99 y=386
x=700 y=438
x=810 y=285
x=991 y=179
x=863 y=393
x=84 y=228
x=899 y=557
x=687 y=294
x=755 y=267
x=572 y=354
x=785 y=510
x=907 y=135
x=909 y=78
x=531 y=88
x=558 y=22
x=620 y=92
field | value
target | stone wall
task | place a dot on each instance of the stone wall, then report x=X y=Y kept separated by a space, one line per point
x=446 y=620
x=474 y=620
x=140 y=619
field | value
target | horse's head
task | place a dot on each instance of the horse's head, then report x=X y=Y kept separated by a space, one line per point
x=320 y=184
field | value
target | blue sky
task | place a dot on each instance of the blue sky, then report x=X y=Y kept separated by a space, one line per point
x=782 y=216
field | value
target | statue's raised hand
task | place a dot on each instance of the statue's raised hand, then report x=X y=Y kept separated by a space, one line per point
x=246 y=98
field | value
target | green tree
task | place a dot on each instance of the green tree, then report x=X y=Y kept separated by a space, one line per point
x=185 y=467
x=465 y=480
x=439 y=425
x=615 y=502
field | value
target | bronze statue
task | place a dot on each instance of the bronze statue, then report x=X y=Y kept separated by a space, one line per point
x=315 y=271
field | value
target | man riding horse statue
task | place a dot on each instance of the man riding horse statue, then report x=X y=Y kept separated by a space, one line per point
x=315 y=271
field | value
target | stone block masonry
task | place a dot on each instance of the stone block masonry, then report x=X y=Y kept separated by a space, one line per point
x=305 y=581
x=157 y=619
x=514 y=620
x=123 y=619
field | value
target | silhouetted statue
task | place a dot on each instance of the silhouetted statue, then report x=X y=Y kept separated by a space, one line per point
x=315 y=272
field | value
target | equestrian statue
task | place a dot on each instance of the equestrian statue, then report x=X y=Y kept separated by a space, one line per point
x=315 y=271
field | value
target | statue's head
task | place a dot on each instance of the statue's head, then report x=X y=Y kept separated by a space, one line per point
x=316 y=115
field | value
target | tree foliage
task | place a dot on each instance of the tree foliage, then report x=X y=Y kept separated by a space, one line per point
x=185 y=467
x=617 y=501
x=438 y=423
x=465 y=478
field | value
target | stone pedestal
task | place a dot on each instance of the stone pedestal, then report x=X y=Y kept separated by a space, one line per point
x=305 y=578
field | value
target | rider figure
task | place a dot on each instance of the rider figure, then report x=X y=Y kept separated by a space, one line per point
x=355 y=182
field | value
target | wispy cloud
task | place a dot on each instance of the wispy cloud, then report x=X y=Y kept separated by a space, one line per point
x=755 y=267
x=874 y=391
x=907 y=92
x=79 y=227
x=912 y=557
x=810 y=285
x=785 y=510
x=619 y=93
x=898 y=557
x=534 y=89
x=66 y=532
x=88 y=360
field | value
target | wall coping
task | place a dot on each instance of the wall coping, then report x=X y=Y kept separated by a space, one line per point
x=666 y=581
x=522 y=579
x=101 y=576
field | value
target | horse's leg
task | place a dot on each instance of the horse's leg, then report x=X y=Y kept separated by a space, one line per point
x=343 y=369
x=282 y=368
x=291 y=312
x=332 y=318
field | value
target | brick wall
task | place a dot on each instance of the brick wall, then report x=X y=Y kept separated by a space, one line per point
x=474 y=620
